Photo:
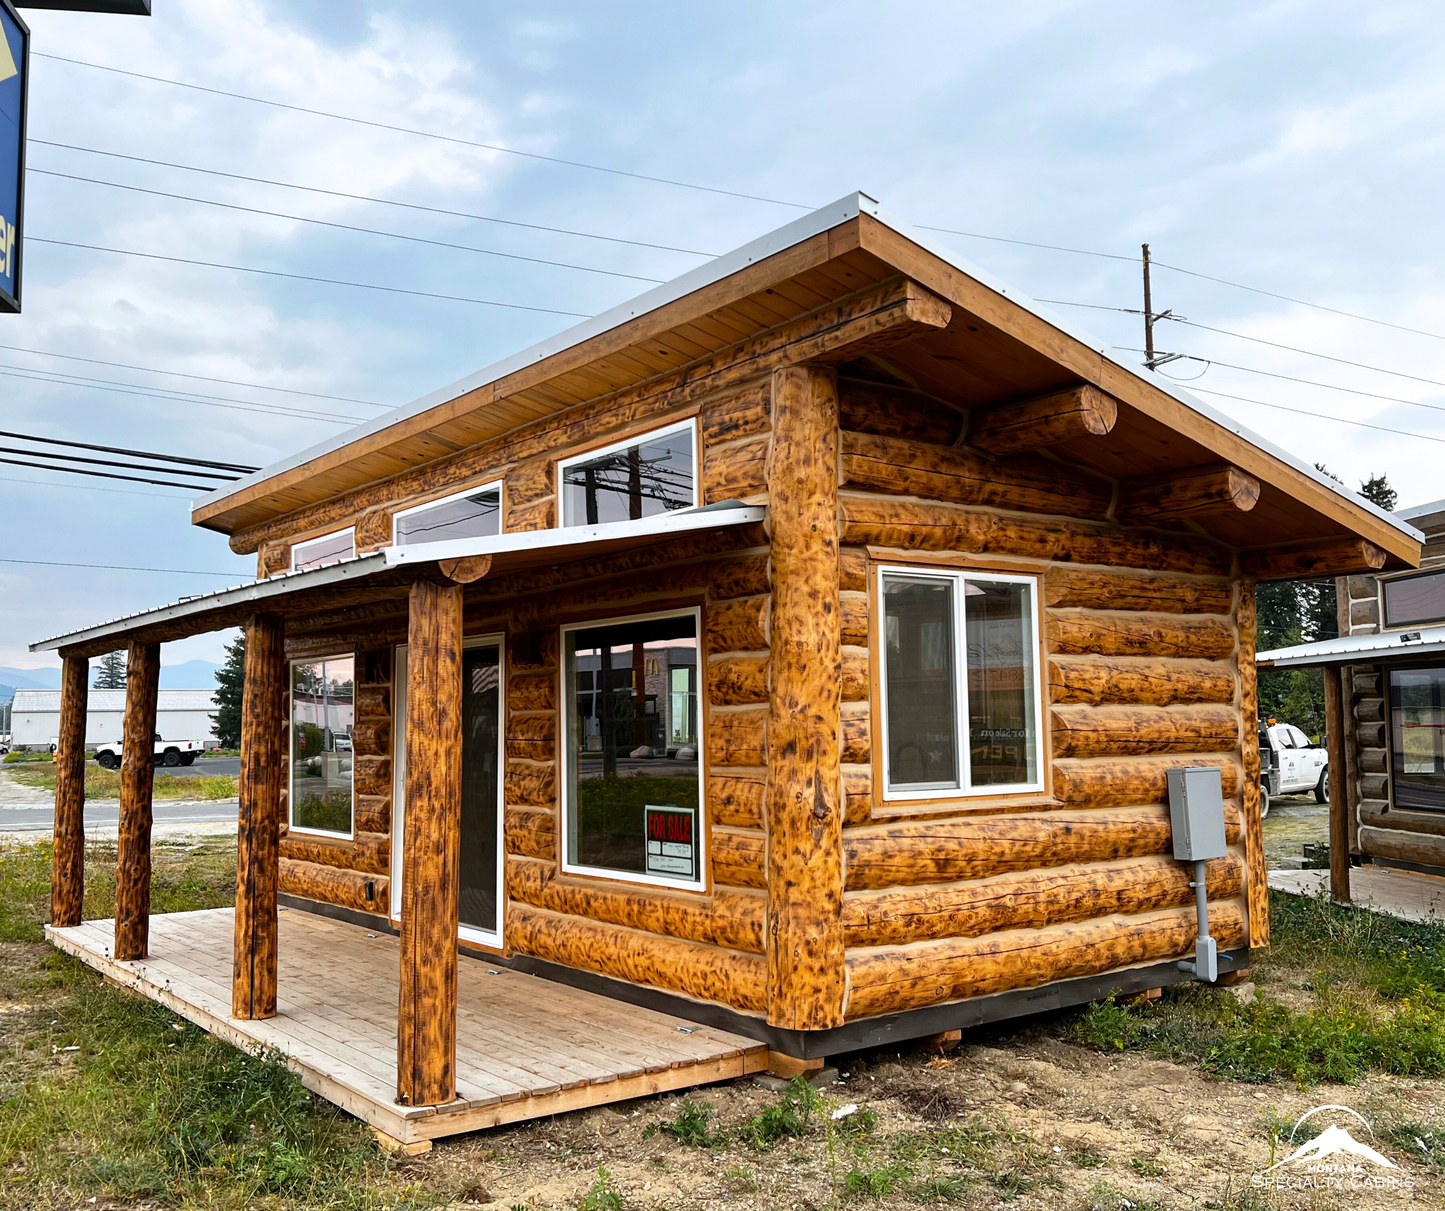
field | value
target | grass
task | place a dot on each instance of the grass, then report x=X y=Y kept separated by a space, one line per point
x=689 y=1128
x=105 y=783
x=789 y=1119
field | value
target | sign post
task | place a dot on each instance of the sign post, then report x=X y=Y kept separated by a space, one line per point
x=14 y=89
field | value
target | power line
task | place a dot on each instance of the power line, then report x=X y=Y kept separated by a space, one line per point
x=358 y=197
x=160 y=483
x=394 y=235
x=115 y=567
x=110 y=462
x=425 y=134
x=302 y=277
x=1339 y=420
x=174 y=458
x=42 y=483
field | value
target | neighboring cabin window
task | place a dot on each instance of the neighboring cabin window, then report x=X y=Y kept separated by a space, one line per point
x=638 y=478
x=960 y=683
x=632 y=804
x=475 y=513
x=1417 y=732
x=1409 y=600
x=319 y=552
x=323 y=710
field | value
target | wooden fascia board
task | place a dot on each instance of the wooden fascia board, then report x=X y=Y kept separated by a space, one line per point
x=1093 y=367
x=799 y=258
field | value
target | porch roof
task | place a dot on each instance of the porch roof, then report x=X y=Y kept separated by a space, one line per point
x=297 y=593
x=1351 y=649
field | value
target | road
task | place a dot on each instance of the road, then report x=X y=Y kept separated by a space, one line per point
x=203 y=765
x=103 y=816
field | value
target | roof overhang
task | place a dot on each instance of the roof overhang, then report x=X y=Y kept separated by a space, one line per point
x=1352 y=649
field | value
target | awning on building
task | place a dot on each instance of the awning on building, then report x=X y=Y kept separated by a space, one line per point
x=1358 y=649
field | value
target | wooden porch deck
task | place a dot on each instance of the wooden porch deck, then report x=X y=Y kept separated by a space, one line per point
x=526 y=1047
x=1406 y=894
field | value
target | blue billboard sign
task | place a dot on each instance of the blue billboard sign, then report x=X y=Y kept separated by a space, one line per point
x=14 y=76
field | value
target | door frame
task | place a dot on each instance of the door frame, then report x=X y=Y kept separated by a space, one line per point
x=467 y=933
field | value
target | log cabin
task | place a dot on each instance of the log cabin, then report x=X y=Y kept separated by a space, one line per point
x=799 y=650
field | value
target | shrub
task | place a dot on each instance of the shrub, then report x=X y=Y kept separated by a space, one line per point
x=789 y=1119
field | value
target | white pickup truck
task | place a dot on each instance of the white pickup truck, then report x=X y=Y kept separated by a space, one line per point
x=168 y=752
x=1291 y=764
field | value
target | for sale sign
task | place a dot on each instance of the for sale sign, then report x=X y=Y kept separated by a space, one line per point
x=14 y=75
x=672 y=841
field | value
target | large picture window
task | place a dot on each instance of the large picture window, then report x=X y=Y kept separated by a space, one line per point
x=632 y=801
x=638 y=478
x=961 y=693
x=475 y=513
x=323 y=710
x=1417 y=734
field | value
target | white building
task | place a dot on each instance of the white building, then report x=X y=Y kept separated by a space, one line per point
x=180 y=715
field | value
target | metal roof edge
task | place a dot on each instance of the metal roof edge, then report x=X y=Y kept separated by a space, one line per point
x=1346 y=647
x=1425 y=510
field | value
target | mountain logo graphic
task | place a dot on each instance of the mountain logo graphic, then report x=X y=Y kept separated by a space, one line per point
x=1333 y=1141
x=7 y=60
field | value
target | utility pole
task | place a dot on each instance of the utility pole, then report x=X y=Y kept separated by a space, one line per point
x=1151 y=359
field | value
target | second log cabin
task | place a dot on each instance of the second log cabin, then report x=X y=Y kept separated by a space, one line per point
x=802 y=647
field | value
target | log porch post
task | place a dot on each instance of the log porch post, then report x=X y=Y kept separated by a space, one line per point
x=1339 y=800
x=804 y=792
x=137 y=775
x=258 y=830
x=67 y=872
x=426 y=1042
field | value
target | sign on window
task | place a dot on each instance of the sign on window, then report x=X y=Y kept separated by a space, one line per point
x=672 y=841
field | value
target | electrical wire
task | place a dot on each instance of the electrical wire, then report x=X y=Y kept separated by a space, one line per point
x=358 y=197
x=42 y=483
x=116 y=567
x=174 y=458
x=394 y=235
x=160 y=483
x=302 y=277
x=425 y=134
x=110 y=462
x=1339 y=420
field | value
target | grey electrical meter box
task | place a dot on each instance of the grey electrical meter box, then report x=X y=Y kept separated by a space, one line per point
x=1196 y=813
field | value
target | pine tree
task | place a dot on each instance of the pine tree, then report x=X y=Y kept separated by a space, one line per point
x=1377 y=491
x=230 y=682
x=110 y=671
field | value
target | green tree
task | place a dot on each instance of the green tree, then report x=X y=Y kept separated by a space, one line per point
x=110 y=671
x=1377 y=491
x=230 y=685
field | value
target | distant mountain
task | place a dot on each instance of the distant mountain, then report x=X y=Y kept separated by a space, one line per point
x=31 y=679
x=190 y=675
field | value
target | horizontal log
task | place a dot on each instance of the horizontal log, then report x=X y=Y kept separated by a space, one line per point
x=373 y=530
x=1333 y=557
x=739 y=576
x=1049 y=420
x=530 y=481
x=857 y=795
x=740 y=413
x=1030 y=899
x=368 y=852
x=736 y=626
x=854 y=674
x=465 y=569
x=1090 y=589
x=737 y=736
x=371 y=775
x=917 y=526
x=705 y=973
x=735 y=471
x=853 y=619
x=737 y=680
x=532 y=736
x=866 y=407
x=531 y=783
x=1370 y=710
x=1134 y=634
x=1399 y=846
x=1138 y=680
x=535 y=515
x=736 y=798
x=532 y=692
x=275 y=558
x=973 y=847
x=531 y=832
x=1107 y=731
x=1370 y=735
x=1376 y=813
x=532 y=651
x=963 y=476
x=371 y=738
x=1374 y=786
x=373 y=700
x=1373 y=760
x=853 y=570
x=1366 y=681
x=373 y=814
x=1118 y=782
x=737 y=858
x=892 y=979
x=1183 y=495
x=332 y=885
x=857 y=734
x=730 y=919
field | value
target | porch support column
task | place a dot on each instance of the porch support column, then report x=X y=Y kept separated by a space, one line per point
x=804 y=791
x=137 y=774
x=1339 y=797
x=67 y=873
x=427 y=1013
x=258 y=831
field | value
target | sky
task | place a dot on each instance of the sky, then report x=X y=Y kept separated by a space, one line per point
x=1294 y=148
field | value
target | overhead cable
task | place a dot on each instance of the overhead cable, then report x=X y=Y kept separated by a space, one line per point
x=45 y=483
x=160 y=483
x=1339 y=420
x=174 y=458
x=115 y=567
x=110 y=462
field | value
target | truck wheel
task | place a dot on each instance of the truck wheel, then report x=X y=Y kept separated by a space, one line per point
x=1322 y=787
x=1263 y=802
x=172 y=757
x=106 y=760
x=188 y=758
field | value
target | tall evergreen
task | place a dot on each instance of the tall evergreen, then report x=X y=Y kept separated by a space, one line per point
x=110 y=671
x=230 y=683
x=1377 y=491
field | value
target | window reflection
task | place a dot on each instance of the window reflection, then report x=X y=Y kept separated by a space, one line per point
x=323 y=711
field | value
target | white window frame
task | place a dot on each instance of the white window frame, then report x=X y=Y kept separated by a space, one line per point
x=291 y=824
x=468 y=933
x=445 y=500
x=959 y=578
x=323 y=538
x=565 y=754
x=689 y=424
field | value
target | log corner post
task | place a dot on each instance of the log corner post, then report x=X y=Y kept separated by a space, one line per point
x=1339 y=799
x=137 y=775
x=1256 y=880
x=805 y=952
x=67 y=872
x=258 y=826
x=427 y=1012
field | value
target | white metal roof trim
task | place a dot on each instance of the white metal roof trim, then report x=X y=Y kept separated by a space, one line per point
x=1326 y=651
x=765 y=246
